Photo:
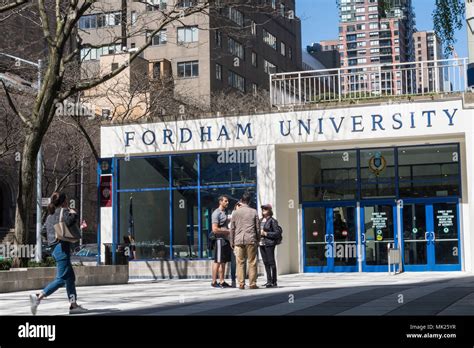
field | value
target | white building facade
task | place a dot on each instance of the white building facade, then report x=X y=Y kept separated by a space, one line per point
x=344 y=183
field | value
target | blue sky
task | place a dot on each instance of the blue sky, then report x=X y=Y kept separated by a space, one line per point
x=319 y=21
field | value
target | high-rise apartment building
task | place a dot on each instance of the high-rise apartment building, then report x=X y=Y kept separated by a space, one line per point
x=428 y=47
x=232 y=47
x=376 y=32
x=327 y=52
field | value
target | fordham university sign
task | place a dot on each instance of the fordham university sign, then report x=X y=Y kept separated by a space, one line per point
x=282 y=127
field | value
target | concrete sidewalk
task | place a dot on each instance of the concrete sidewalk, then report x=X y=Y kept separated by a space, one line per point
x=434 y=293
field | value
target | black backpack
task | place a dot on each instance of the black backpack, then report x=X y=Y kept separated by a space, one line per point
x=280 y=231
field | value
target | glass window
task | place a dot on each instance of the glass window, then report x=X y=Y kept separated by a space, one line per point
x=229 y=167
x=185 y=170
x=188 y=69
x=329 y=175
x=185 y=228
x=151 y=223
x=377 y=170
x=235 y=48
x=429 y=171
x=323 y=168
x=187 y=35
x=138 y=173
x=270 y=39
x=210 y=202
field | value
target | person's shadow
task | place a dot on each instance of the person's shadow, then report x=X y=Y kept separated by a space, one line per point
x=100 y=311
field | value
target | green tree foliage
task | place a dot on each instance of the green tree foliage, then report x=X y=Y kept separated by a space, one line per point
x=448 y=17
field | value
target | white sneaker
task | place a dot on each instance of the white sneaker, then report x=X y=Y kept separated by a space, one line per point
x=34 y=303
x=78 y=310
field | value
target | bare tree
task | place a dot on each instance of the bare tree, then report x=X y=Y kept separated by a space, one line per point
x=58 y=32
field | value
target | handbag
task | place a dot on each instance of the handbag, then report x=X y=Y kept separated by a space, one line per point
x=63 y=232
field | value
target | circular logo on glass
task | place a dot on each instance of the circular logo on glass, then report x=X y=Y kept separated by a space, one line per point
x=377 y=163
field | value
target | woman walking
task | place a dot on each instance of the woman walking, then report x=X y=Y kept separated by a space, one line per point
x=270 y=235
x=61 y=253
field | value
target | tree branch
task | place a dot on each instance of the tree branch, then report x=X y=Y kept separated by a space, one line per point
x=45 y=23
x=11 y=6
x=13 y=107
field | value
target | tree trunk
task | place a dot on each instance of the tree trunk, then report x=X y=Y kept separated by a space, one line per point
x=24 y=201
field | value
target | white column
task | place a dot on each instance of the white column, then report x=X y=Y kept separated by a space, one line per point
x=467 y=206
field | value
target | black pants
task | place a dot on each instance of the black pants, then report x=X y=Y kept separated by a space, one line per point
x=268 y=257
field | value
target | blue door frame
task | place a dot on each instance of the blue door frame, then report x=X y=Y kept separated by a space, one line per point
x=428 y=203
x=329 y=237
x=387 y=202
x=432 y=264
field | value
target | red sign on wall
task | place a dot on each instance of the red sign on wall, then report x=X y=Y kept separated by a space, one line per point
x=106 y=190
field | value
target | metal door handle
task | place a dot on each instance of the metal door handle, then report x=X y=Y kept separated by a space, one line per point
x=426 y=236
x=434 y=236
x=363 y=238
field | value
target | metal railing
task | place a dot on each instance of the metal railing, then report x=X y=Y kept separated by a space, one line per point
x=369 y=81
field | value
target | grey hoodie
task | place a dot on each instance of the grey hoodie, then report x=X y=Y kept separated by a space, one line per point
x=69 y=218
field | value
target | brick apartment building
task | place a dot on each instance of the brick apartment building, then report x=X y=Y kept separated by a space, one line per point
x=229 y=47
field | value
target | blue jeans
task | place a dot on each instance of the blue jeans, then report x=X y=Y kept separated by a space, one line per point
x=64 y=272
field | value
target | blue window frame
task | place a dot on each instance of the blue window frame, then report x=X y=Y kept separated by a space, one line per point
x=383 y=173
x=173 y=198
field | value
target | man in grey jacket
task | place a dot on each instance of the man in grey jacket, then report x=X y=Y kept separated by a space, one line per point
x=244 y=238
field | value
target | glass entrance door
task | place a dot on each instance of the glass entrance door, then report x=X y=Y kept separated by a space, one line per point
x=379 y=228
x=330 y=239
x=431 y=236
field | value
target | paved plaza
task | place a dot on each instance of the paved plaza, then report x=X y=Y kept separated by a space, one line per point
x=297 y=294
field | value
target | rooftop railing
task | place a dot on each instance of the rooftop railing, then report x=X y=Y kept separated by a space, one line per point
x=369 y=81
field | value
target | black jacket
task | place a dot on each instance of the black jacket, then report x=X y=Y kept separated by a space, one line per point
x=273 y=233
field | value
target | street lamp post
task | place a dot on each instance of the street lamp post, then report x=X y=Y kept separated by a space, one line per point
x=39 y=163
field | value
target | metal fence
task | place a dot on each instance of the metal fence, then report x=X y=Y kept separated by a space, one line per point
x=369 y=81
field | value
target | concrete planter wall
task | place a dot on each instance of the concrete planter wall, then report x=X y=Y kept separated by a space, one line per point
x=21 y=279
x=177 y=269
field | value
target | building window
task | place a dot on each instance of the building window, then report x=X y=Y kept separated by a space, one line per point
x=159 y=194
x=269 y=39
x=373 y=25
x=236 y=81
x=89 y=53
x=254 y=59
x=102 y=20
x=268 y=67
x=236 y=16
x=188 y=69
x=186 y=3
x=156 y=5
x=218 y=72
x=290 y=53
x=282 y=10
x=274 y=4
x=161 y=38
x=218 y=38
x=133 y=18
x=114 y=66
x=236 y=48
x=188 y=35
x=282 y=48
x=253 y=28
x=254 y=89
